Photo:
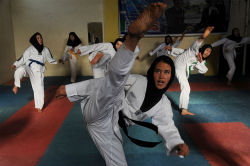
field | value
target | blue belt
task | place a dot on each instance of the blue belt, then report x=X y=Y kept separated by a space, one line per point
x=37 y=62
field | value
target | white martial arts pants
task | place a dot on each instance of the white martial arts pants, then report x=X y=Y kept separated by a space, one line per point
x=98 y=72
x=229 y=56
x=101 y=110
x=36 y=79
x=72 y=64
x=182 y=77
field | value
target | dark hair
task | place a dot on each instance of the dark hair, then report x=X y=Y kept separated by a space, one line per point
x=116 y=40
x=35 y=43
x=167 y=60
x=233 y=37
x=203 y=48
x=74 y=43
x=168 y=36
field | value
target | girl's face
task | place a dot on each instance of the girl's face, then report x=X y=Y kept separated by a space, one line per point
x=71 y=37
x=39 y=39
x=162 y=75
x=118 y=45
x=207 y=52
x=236 y=32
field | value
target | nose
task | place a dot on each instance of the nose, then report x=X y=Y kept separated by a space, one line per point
x=162 y=75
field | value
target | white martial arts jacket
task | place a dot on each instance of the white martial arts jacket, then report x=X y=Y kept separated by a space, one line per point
x=188 y=59
x=133 y=96
x=230 y=45
x=65 y=55
x=105 y=48
x=34 y=60
x=160 y=50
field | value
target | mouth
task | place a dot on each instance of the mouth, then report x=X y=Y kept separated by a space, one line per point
x=160 y=82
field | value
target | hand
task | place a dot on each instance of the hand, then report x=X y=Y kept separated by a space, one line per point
x=199 y=56
x=60 y=61
x=182 y=150
x=61 y=92
x=78 y=51
x=12 y=67
x=169 y=48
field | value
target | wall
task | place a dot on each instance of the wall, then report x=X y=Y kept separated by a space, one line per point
x=7 y=56
x=54 y=19
x=148 y=43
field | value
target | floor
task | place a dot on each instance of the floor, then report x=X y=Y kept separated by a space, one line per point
x=217 y=135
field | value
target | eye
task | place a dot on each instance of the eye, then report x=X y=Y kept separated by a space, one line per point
x=167 y=72
x=157 y=71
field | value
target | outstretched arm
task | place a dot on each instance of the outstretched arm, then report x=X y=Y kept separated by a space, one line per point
x=49 y=57
x=96 y=59
x=161 y=46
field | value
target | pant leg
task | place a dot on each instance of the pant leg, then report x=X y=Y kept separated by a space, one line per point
x=106 y=141
x=185 y=88
x=232 y=67
x=18 y=75
x=36 y=79
x=72 y=63
x=101 y=110
x=98 y=72
x=111 y=88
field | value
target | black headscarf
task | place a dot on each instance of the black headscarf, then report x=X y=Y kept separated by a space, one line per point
x=171 y=40
x=35 y=43
x=116 y=40
x=203 y=48
x=74 y=43
x=153 y=94
x=233 y=37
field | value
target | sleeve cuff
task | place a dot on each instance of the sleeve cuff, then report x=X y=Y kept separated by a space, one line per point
x=70 y=91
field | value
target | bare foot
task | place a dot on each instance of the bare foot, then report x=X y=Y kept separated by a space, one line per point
x=146 y=20
x=186 y=112
x=15 y=89
x=38 y=110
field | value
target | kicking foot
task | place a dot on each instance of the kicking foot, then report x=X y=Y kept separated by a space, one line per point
x=15 y=89
x=38 y=110
x=186 y=112
x=146 y=20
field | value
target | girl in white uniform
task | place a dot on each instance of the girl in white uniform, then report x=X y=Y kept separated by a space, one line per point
x=100 y=55
x=102 y=99
x=161 y=49
x=73 y=44
x=191 y=59
x=229 y=53
x=32 y=64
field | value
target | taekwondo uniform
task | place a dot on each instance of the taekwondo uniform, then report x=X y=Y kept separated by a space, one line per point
x=101 y=100
x=185 y=62
x=160 y=50
x=32 y=65
x=72 y=60
x=229 y=53
x=100 y=68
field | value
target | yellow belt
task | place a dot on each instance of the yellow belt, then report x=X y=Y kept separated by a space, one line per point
x=70 y=52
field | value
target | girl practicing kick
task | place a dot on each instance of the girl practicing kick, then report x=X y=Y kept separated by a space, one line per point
x=229 y=53
x=70 y=51
x=100 y=55
x=161 y=49
x=101 y=99
x=32 y=64
x=191 y=59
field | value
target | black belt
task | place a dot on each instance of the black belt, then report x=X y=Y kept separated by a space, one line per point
x=151 y=126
